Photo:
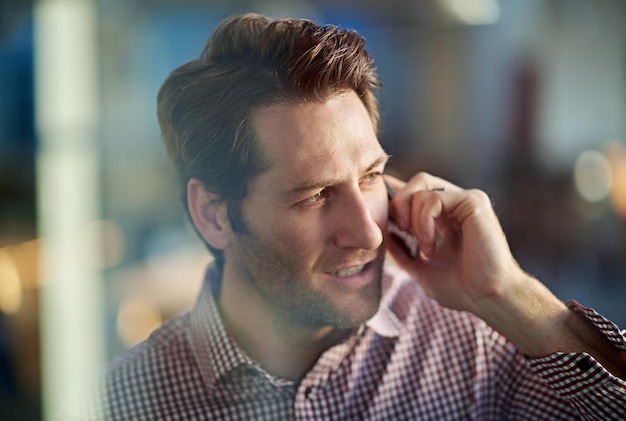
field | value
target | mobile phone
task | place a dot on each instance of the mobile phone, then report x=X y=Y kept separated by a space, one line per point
x=410 y=242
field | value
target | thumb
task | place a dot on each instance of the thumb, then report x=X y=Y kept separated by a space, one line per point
x=395 y=183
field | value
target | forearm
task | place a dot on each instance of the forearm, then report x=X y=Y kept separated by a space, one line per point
x=539 y=324
x=472 y=269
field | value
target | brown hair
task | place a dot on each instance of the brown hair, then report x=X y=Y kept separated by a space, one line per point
x=204 y=106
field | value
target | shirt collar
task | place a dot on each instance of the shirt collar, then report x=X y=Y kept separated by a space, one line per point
x=385 y=322
x=216 y=351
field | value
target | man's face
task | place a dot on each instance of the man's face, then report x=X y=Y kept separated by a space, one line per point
x=312 y=251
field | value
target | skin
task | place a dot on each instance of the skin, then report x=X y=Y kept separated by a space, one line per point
x=322 y=208
x=471 y=268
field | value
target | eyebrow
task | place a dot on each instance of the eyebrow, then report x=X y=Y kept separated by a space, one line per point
x=322 y=183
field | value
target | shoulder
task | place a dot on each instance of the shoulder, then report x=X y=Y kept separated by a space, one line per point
x=424 y=319
x=169 y=338
x=139 y=381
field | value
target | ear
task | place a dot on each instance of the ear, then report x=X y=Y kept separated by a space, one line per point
x=208 y=214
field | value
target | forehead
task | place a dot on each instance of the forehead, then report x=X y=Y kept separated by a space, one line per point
x=313 y=139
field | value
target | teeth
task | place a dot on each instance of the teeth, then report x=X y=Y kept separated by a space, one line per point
x=351 y=271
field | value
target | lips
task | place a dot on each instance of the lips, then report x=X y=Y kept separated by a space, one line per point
x=349 y=271
x=352 y=276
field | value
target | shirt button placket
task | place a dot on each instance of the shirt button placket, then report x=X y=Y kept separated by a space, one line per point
x=305 y=403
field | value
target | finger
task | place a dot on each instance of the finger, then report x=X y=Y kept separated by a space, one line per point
x=395 y=183
x=426 y=181
x=427 y=207
x=400 y=206
x=446 y=212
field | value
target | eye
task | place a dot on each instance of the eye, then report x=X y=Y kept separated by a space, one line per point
x=373 y=176
x=316 y=198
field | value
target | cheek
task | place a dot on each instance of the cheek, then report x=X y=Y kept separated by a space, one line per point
x=305 y=234
x=306 y=242
x=379 y=211
x=299 y=238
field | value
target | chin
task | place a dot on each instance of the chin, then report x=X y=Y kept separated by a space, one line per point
x=356 y=320
x=360 y=309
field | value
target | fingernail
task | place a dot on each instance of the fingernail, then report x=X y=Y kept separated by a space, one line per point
x=427 y=249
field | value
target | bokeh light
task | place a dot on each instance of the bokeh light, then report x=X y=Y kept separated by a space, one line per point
x=472 y=12
x=593 y=176
x=10 y=285
x=137 y=317
x=616 y=152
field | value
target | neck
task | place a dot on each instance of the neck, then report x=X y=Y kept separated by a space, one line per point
x=282 y=347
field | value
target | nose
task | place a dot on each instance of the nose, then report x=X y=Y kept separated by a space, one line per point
x=357 y=225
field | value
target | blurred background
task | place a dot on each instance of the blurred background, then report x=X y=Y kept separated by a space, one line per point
x=524 y=99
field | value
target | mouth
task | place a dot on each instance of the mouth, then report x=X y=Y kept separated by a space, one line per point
x=353 y=276
x=349 y=271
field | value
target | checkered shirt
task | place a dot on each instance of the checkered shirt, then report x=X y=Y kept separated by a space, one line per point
x=414 y=360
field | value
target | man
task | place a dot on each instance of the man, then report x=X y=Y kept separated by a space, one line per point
x=273 y=133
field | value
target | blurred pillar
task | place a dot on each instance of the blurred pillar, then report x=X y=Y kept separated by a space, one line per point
x=71 y=312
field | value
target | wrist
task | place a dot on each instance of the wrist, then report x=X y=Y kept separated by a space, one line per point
x=530 y=316
x=539 y=324
x=592 y=340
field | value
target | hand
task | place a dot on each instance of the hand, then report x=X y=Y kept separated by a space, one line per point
x=464 y=254
x=465 y=263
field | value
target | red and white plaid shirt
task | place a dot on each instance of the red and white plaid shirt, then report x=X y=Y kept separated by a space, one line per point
x=412 y=360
